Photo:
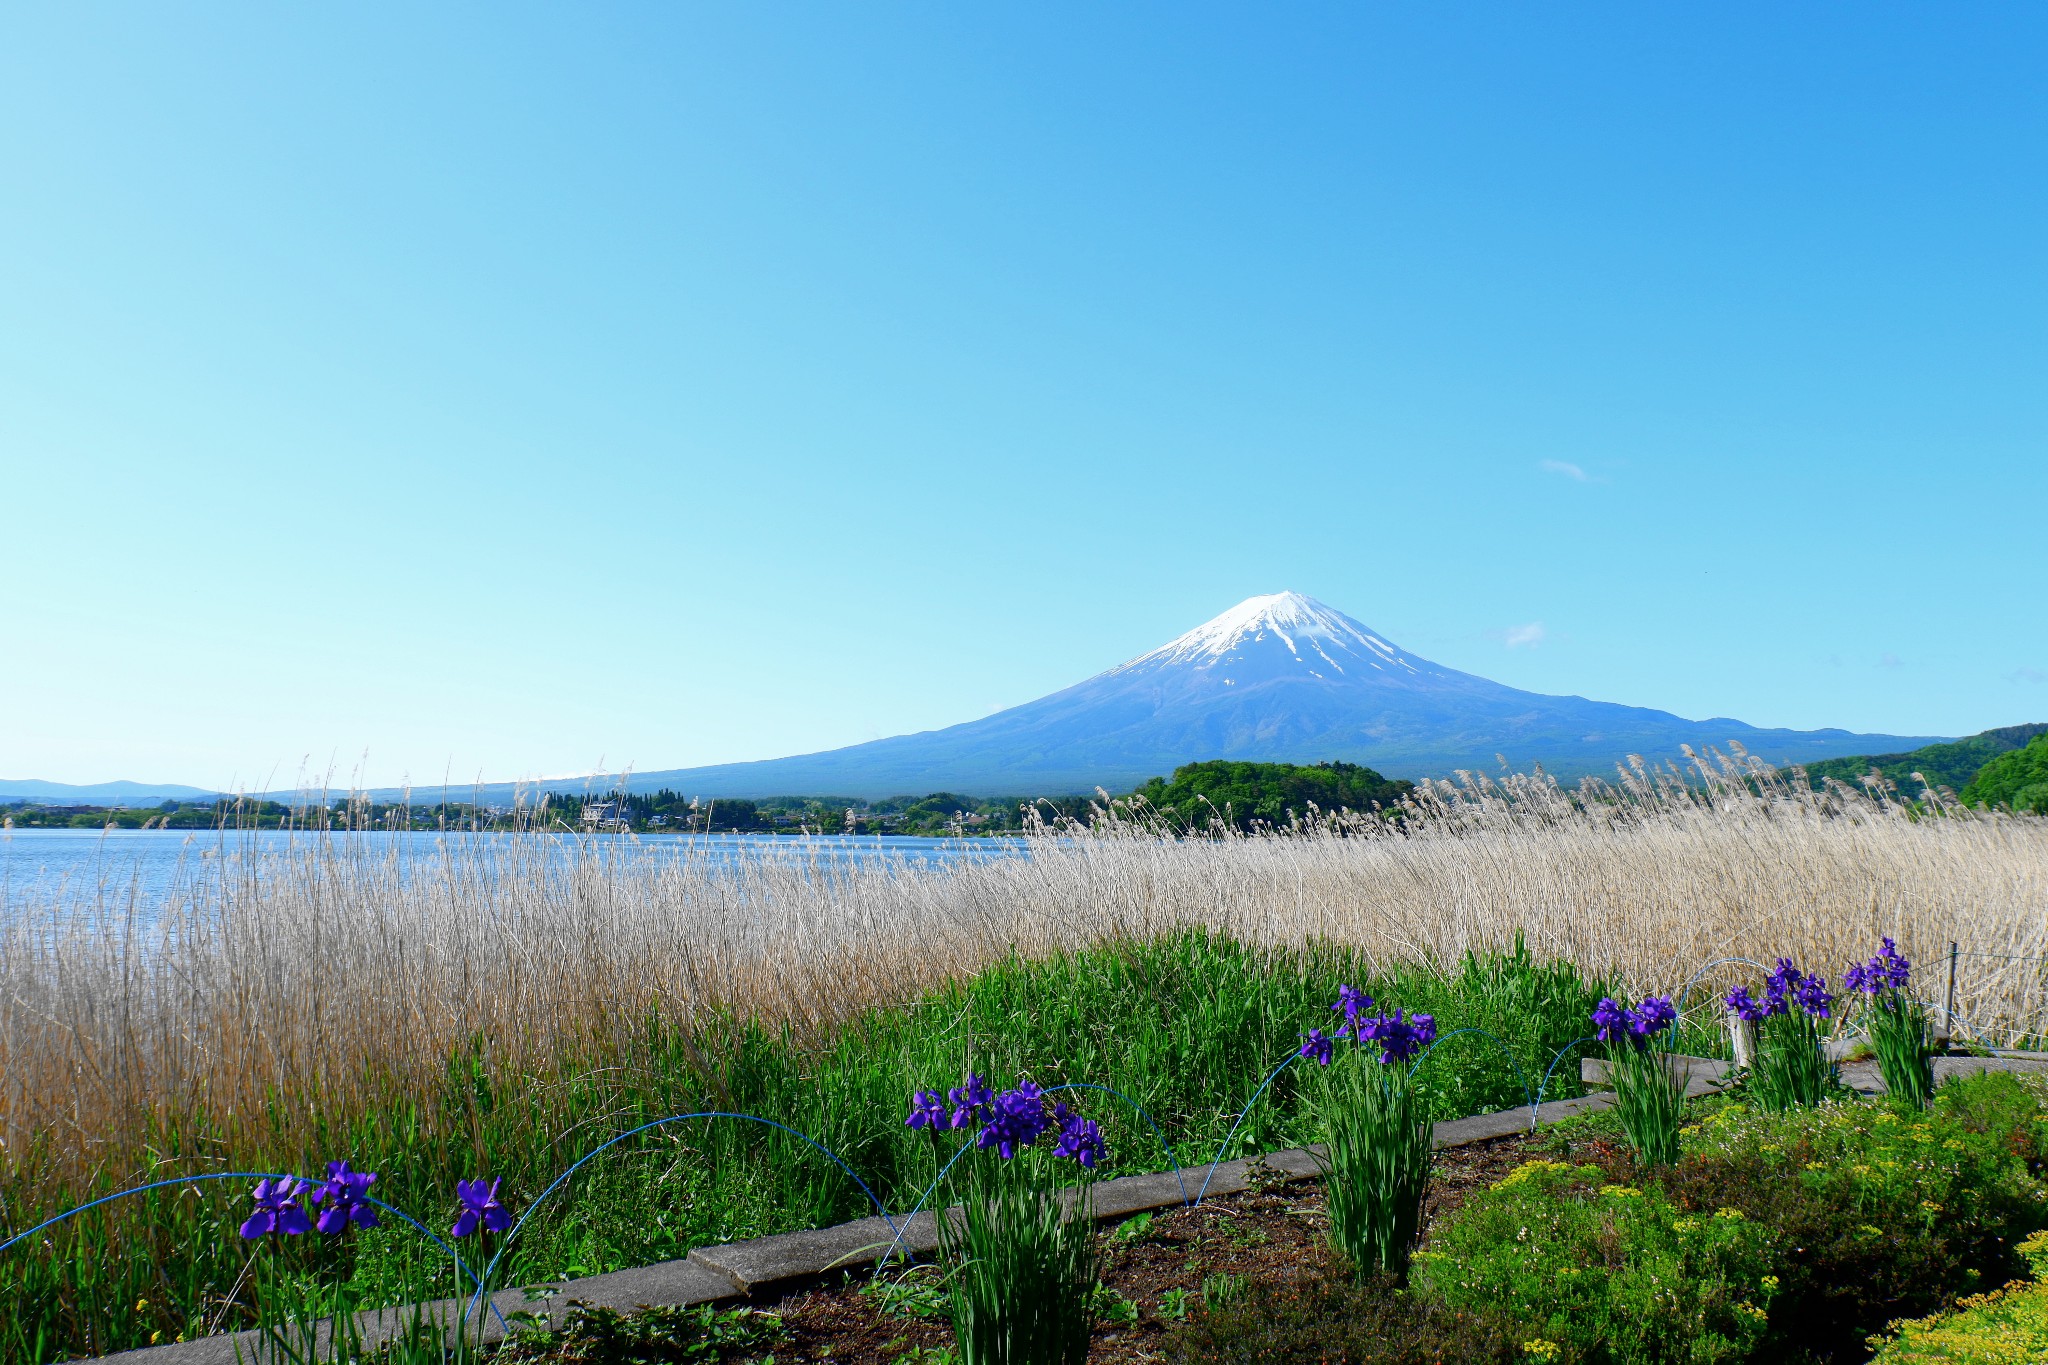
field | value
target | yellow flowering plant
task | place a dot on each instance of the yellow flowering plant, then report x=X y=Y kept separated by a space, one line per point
x=1774 y=1235
x=1601 y=1270
x=2008 y=1326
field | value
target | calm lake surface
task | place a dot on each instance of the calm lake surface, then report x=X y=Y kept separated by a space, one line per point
x=40 y=867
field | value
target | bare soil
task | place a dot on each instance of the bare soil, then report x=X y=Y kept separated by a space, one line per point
x=1272 y=1233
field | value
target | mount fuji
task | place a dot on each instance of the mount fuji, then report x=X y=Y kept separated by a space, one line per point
x=1280 y=678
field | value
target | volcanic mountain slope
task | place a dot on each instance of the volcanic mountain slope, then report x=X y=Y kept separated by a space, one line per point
x=1280 y=678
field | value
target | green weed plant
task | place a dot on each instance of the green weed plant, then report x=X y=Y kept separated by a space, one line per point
x=1021 y=1271
x=1649 y=1099
x=1649 y=1089
x=1377 y=1170
x=1336 y=1317
x=1905 y=1053
x=1897 y=1025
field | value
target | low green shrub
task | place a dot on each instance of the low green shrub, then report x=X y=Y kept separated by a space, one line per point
x=1878 y=1214
x=2008 y=1326
x=1606 y=1270
x=2010 y=1110
x=1774 y=1237
x=591 y=1335
x=1331 y=1318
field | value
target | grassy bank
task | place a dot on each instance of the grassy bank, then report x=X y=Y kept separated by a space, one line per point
x=502 y=1005
x=1185 y=1026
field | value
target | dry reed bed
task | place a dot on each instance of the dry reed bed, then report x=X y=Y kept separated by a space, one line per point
x=327 y=977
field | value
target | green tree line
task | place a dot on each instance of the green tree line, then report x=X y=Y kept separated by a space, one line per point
x=1246 y=794
x=1952 y=765
x=2017 y=779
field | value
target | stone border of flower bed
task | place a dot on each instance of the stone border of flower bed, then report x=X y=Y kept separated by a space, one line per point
x=765 y=1269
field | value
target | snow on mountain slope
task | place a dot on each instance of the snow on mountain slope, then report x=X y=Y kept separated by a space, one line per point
x=1313 y=635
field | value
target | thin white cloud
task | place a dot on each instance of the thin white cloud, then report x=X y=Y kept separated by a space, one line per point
x=2032 y=675
x=1890 y=661
x=1566 y=468
x=1518 y=636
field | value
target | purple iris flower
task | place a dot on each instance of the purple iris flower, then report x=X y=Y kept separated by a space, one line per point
x=1743 y=1005
x=1811 y=995
x=1897 y=971
x=971 y=1102
x=345 y=1199
x=927 y=1110
x=1398 y=1038
x=1787 y=986
x=1016 y=1120
x=1780 y=984
x=1080 y=1139
x=1887 y=971
x=1315 y=1044
x=480 y=1207
x=1616 y=1022
x=1651 y=1017
x=278 y=1209
x=1351 y=1002
x=1611 y=1018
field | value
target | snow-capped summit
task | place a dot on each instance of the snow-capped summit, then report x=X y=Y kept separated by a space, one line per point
x=1278 y=678
x=1314 y=636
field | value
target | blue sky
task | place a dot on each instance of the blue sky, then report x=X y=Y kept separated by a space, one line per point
x=414 y=391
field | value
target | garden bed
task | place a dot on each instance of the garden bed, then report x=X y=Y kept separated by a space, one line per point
x=1160 y=1269
x=1802 y=1236
x=1155 y=1269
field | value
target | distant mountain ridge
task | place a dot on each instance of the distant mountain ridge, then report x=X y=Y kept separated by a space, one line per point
x=98 y=793
x=1279 y=679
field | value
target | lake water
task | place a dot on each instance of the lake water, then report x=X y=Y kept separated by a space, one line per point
x=75 y=866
